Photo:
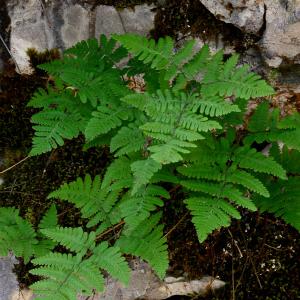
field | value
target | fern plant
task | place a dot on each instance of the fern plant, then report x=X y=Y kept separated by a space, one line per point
x=187 y=127
x=18 y=235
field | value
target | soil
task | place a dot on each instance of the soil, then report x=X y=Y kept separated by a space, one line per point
x=258 y=257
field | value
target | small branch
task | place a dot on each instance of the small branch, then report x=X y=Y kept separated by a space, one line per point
x=174 y=227
x=12 y=57
x=109 y=230
x=11 y=167
x=255 y=272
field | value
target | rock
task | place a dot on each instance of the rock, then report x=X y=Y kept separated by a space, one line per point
x=8 y=280
x=59 y=24
x=246 y=15
x=144 y=284
x=139 y=20
x=29 y=29
x=75 y=27
x=108 y=20
x=280 y=43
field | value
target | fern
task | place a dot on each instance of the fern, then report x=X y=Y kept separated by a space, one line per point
x=284 y=194
x=143 y=170
x=148 y=242
x=209 y=214
x=185 y=128
x=53 y=127
x=221 y=180
x=137 y=208
x=225 y=79
x=147 y=50
x=95 y=203
x=18 y=234
x=68 y=275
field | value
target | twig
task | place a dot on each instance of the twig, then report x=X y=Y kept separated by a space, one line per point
x=232 y=279
x=174 y=227
x=255 y=272
x=109 y=230
x=235 y=243
x=6 y=47
x=11 y=167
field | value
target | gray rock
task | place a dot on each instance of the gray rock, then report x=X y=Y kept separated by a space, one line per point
x=139 y=20
x=144 y=284
x=281 y=40
x=59 y=24
x=108 y=21
x=246 y=15
x=76 y=20
x=8 y=280
x=29 y=29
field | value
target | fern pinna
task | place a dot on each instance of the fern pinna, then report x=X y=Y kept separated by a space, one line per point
x=186 y=127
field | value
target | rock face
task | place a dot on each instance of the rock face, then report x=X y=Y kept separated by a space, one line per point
x=246 y=15
x=281 y=39
x=8 y=280
x=59 y=24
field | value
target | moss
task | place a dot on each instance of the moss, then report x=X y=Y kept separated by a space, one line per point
x=36 y=58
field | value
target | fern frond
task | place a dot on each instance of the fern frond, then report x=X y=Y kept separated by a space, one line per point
x=128 y=139
x=143 y=170
x=158 y=55
x=136 y=208
x=53 y=126
x=251 y=159
x=16 y=234
x=49 y=219
x=148 y=242
x=248 y=181
x=67 y=276
x=215 y=106
x=74 y=239
x=201 y=172
x=111 y=260
x=227 y=80
x=171 y=151
x=105 y=119
x=118 y=170
x=284 y=201
x=85 y=194
x=210 y=214
x=95 y=203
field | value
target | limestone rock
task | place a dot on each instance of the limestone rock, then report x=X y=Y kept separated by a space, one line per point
x=8 y=280
x=108 y=20
x=29 y=29
x=61 y=24
x=280 y=43
x=139 y=20
x=145 y=285
x=75 y=27
x=246 y=15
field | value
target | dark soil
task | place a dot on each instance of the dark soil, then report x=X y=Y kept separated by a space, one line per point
x=257 y=257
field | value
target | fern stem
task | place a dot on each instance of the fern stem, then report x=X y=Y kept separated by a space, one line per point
x=11 y=167
x=175 y=226
x=109 y=230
